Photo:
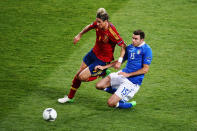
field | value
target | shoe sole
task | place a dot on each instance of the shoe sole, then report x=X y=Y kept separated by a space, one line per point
x=70 y=101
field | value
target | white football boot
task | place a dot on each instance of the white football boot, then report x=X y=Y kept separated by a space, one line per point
x=65 y=100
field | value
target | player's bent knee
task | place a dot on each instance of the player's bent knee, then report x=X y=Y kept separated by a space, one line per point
x=111 y=103
x=99 y=86
x=102 y=84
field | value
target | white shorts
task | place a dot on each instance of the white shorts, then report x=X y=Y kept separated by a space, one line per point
x=125 y=88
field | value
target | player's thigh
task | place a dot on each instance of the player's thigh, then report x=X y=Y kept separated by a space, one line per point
x=127 y=90
x=87 y=71
x=116 y=79
x=103 y=83
x=134 y=90
x=82 y=67
x=113 y=100
x=84 y=74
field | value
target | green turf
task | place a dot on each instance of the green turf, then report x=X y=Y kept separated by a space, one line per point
x=38 y=62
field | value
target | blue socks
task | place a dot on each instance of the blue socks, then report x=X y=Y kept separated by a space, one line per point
x=125 y=105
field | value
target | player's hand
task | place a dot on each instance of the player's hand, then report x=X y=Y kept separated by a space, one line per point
x=77 y=38
x=117 y=65
x=99 y=68
x=123 y=74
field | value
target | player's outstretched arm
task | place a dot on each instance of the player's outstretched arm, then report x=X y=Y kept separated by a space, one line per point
x=78 y=37
x=122 y=53
x=99 y=67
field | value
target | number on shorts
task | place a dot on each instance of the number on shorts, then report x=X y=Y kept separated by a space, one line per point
x=125 y=92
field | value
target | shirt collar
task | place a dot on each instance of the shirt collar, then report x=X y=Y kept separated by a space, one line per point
x=141 y=44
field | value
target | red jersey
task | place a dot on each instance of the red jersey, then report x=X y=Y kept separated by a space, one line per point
x=106 y=41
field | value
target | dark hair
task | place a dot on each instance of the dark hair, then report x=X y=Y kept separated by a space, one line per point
x=102 y=14
x=139 y=32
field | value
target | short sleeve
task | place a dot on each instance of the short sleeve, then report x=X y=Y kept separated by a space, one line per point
x=126 y=55
x=93 y=25
x=147 y=58
x=115 y=36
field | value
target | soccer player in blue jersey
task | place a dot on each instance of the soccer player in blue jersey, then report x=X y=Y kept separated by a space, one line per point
x=125 y=84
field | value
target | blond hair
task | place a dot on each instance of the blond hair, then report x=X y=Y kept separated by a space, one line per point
x=102 y=14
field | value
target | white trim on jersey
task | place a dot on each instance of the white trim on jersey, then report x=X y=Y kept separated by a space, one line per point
x=141 y=44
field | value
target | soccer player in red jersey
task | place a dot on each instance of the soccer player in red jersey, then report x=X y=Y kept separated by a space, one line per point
x=107 y=38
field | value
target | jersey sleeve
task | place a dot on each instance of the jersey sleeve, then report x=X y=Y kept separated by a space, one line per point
x=125 y=55
x=115 y=37
x=147 y=58
x=93 y=25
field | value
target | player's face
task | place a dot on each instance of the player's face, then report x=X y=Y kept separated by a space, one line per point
x=136 y=40
x=100 y=23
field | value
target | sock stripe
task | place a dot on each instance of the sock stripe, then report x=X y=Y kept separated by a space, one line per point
x=72 y=88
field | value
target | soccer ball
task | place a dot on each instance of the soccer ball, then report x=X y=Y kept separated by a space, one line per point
x=49 y=114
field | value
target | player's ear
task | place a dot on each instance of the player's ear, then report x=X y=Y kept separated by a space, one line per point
x=142 y=39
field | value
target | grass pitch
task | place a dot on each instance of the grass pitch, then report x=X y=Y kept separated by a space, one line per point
x=38 y=62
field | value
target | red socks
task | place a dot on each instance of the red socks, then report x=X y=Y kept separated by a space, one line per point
x=75 y=85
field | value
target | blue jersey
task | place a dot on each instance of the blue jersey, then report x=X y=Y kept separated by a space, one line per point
x=136 y=57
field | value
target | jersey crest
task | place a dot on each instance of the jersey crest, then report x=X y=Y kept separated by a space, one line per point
x=138 y=52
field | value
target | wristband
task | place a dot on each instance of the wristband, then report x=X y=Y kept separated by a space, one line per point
x=120 y=59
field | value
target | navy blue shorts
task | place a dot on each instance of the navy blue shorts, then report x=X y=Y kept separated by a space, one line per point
x=92 y=61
